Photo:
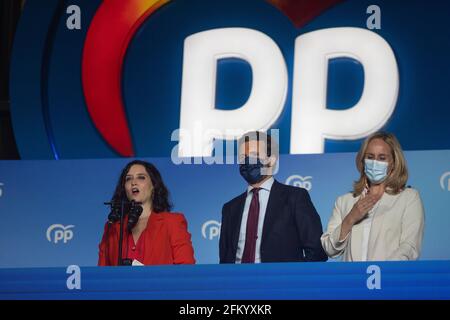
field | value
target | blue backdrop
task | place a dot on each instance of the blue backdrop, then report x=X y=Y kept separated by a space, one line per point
x=47 y=101
x=36 y=194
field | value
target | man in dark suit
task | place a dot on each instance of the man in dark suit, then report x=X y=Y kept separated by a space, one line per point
x=270 y=222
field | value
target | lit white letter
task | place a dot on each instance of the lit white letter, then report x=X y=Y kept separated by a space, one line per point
x=312 y=122
x=264 y=105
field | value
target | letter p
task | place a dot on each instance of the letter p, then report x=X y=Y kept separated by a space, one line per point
x=200 y=121
x=312 y=122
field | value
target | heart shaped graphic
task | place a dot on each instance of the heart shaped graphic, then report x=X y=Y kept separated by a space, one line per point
x=300 y=12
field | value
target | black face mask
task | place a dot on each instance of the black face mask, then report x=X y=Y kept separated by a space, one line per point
x=251 y=172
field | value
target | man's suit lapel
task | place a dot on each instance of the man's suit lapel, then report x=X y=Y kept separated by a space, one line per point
x=236 y=220
x=273 y=205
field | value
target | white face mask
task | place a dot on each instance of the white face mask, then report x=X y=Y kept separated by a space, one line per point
x=376 y=171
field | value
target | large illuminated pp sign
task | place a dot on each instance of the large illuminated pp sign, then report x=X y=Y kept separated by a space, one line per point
x=312 y=122
x=200 y=122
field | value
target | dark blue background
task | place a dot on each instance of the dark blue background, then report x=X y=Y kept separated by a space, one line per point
x=49 y=113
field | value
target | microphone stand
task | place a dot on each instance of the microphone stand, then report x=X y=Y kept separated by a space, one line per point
x=120 y=262
x=113 y=218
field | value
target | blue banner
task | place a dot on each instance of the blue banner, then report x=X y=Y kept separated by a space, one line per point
x=52 y=211
x=63 y=102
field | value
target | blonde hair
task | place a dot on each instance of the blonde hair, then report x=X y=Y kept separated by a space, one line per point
x=398 y=171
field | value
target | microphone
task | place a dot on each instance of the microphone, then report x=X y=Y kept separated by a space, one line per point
x=114 y=215
x=118 y=209
x=134 y=214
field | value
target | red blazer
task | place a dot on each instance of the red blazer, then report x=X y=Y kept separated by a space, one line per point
x=167 y=241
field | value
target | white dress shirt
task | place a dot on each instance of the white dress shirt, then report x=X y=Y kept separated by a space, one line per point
x=367 y=226
x=263 y=194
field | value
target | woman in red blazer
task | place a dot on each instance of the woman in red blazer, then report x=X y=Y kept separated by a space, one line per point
x=159 y=236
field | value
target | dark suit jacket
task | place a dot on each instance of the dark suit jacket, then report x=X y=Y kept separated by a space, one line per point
x=291 y=230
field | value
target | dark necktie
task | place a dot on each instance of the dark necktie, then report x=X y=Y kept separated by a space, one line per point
x=251 y=233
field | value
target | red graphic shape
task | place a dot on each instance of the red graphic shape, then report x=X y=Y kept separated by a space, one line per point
x=300 y=12
x=107 y=40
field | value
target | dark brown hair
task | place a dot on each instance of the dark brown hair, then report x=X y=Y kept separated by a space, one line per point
x=160 y=194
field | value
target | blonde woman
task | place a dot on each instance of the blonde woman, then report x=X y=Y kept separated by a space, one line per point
x=381 y=219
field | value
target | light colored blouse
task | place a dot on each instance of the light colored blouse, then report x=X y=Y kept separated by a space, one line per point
x=393 y=231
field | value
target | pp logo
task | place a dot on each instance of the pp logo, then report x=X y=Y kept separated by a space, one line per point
x=211 y=229
x=445 y=181
x=58 y=232
x=299 y=181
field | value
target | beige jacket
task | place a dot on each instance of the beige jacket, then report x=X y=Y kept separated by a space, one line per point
x=396 y=232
